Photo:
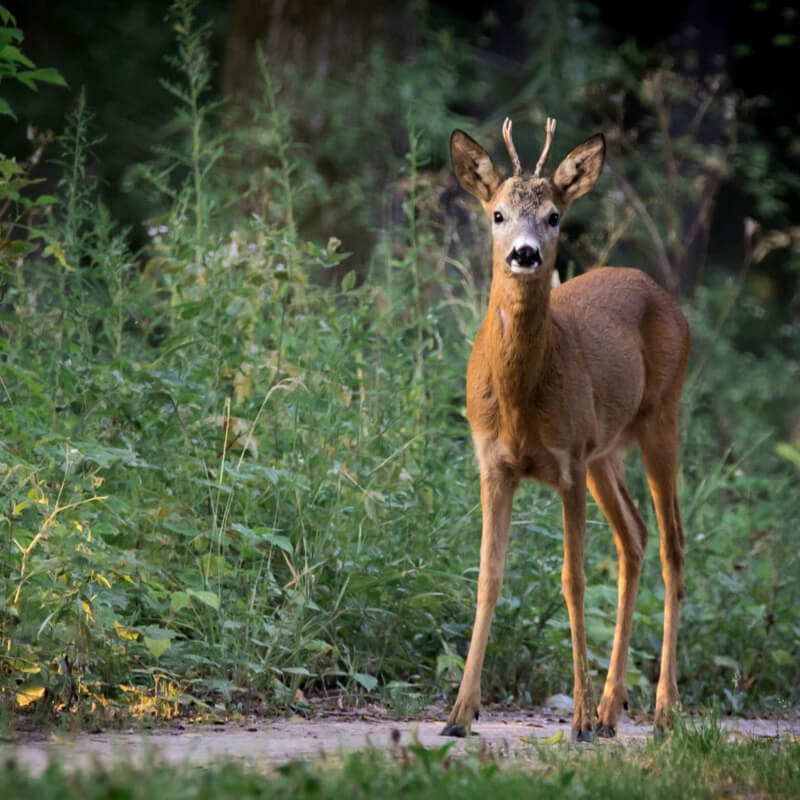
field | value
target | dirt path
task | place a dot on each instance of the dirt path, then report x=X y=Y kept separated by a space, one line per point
x=266 y=743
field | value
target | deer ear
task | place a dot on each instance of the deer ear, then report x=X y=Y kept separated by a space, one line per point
x=579 y=171
x=473 y=167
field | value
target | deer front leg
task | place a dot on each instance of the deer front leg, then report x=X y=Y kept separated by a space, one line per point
x=497 y=493
x=573 y=499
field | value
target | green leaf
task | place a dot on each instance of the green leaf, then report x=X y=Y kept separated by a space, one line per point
x=275 y=539
x=157 y=646
x=209 y=598
x=102 y=455
x=7 y=17
x=5 y=109
x=446 y=661
x=19 y=248
x=430 y=755
x=726 y=661
x=13 y=54
x=782 y=657
x=180 y=600
x=8 y=35
x=783 y=40
x=45 y=75
x=369 y=682
x=349 y=281
x=789 y=452
x=181 y=528
x=9 y=167
x=154 y=632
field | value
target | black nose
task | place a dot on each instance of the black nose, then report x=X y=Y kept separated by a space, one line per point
x=525 y=256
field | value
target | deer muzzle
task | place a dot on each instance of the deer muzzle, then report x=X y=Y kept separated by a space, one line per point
x=524 y=259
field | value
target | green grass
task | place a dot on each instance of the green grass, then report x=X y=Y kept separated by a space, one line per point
x=697 y=763
x=232 y=469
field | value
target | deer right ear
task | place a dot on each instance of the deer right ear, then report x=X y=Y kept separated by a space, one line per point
x=473 y=167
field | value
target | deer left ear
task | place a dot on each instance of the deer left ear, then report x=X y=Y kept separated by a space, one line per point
x=579 y=171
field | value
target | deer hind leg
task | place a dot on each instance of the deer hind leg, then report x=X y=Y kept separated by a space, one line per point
x=573 y=499
x=497 y=494
x=659 y=443
x=606 y=483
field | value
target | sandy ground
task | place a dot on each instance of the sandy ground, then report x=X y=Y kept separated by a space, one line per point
x=266 y=743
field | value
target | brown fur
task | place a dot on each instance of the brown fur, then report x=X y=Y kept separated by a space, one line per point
x=558 y=385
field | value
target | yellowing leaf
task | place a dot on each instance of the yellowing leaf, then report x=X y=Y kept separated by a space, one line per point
x=56 y=250
x=29 y=693
x=126 y=633
x=243 y=382
x=238 y=433
x=35 y=495
x=19 y=508
x=554 y=739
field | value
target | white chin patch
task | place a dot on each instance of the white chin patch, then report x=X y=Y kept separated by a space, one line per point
x=518 y=270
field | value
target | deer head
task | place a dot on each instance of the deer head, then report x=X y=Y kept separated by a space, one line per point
x=525 y=210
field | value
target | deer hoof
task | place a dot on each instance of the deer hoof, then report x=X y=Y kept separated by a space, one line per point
x=606 y=731
x=451 y=729
x=582 y=736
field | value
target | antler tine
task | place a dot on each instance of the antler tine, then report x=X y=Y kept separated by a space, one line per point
x=512 y=151
x=549 y=130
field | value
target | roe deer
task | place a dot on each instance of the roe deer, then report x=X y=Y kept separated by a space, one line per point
x=558 y=385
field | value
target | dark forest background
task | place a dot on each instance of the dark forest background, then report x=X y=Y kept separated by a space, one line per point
x=351 y=73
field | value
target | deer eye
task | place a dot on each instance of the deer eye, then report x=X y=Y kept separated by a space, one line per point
x=498 y=217
x=552 y=220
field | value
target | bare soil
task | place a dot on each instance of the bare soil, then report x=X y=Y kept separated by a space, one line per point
x=264 y=744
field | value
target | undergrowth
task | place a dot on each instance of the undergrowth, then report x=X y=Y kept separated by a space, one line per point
x=233 y=477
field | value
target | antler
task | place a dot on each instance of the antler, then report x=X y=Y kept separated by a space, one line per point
x=512 y=151
x=549 y=130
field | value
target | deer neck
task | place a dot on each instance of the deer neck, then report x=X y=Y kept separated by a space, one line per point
x=521 y=338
